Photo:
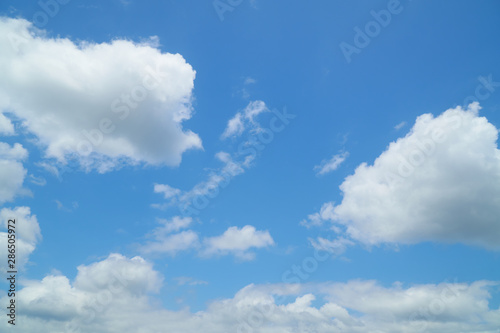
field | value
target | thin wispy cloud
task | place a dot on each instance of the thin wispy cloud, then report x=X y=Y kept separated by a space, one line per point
x=330 y=165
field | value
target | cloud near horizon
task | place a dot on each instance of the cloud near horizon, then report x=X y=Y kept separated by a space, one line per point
x=116 y=295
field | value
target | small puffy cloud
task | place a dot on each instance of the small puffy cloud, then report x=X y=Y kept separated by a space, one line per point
x=175 y=224
x=238 y=242
x=234 y=127
x=245 y=120
x=253 y=109
x=318 y=219
x=171 y=244
x=168 y=191
x=332 y=164
x=80 y=103
x=441 y=182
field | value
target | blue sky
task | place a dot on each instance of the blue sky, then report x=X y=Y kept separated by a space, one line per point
x=232 y=141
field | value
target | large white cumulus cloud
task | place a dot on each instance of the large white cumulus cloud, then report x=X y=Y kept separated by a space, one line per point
x=441 y=182
x=101 y=103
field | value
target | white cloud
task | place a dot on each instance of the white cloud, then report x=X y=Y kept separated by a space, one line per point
x=12 y=172
x=238 y=242
x=253 y=109
x=175 y=224
x=318 y=219
x=441 y=182
x=185 y=280
x=234 y=127
x=16 y=152
x=245 y=120
x=332 y=164
x=113 y=296
x=336 y=246
x=114 y=281
x=400 y=125
x=171 y=244
x=167 y=190
x=82 y=99
x=138 y=274
x=40 y=181
x=6 y=126
x=27 y=234
x=249 y=80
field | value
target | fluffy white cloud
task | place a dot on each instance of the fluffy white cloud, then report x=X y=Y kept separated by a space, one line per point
x=238 y=242
x=27 y=234
x=103 y=104
x=113 y=296
x=441 y=182
x=114 y=281
x=136 y=273
x=171 y=244
x=168 y=191
x=175 y=224
x=164 y=242
x=317 y=219
x=332 y=164
x=244 y=120
x=12 y=172
x=234 y=127
x=166 y=239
